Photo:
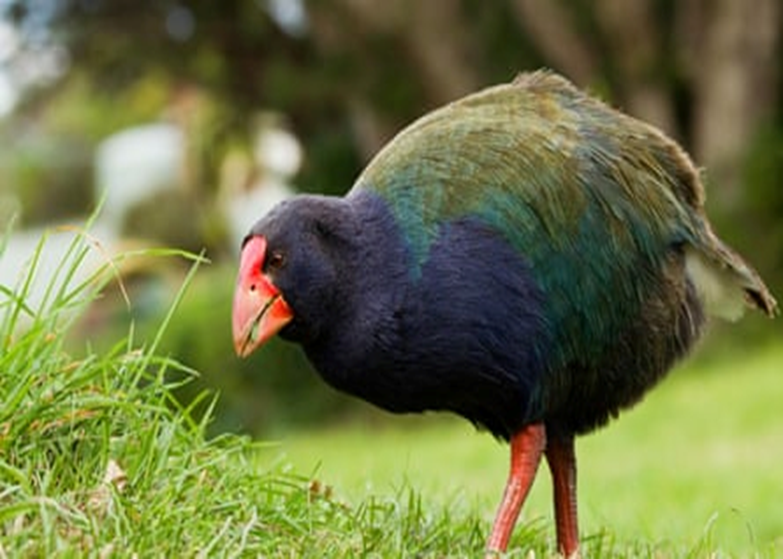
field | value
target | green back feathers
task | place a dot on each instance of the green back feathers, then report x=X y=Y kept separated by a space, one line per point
x=532 y=157
x=592 y=199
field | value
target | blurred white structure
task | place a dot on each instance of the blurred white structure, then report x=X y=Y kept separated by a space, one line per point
x=277 y=156
x=278 y=152
x=134 y=164
x=139 y=162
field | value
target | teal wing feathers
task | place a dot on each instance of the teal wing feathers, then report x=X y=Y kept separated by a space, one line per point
x=594 y=200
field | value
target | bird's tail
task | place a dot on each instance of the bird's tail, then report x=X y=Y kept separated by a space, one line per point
x=726 y=284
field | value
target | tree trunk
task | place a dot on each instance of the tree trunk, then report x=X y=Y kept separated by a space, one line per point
x=735 y=87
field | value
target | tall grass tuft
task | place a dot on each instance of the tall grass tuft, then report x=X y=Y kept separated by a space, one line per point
x=98 y=459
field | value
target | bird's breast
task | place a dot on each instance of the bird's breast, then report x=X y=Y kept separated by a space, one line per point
x=465 y=334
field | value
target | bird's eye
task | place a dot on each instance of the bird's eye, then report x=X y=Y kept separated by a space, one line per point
x=276 y=260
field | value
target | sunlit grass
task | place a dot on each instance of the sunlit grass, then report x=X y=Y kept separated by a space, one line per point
x=695 y=469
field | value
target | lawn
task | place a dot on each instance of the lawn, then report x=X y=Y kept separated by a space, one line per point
x=696 y=466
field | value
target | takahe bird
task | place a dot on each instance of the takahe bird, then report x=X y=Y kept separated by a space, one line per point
x=526 y=257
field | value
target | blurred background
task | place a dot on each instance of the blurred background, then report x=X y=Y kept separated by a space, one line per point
x=188 y=120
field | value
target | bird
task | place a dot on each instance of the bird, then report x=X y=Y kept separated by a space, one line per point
x=527 y=257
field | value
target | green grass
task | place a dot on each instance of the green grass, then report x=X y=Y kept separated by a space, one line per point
x=97 y=459
x=697 y=466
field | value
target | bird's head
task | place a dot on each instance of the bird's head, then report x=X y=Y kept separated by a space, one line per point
x=293 y=272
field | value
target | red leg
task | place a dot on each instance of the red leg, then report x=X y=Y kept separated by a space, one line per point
x=526 y=448
x=562 y=463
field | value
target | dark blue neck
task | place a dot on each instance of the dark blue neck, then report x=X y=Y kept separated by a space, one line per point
x=369 y=302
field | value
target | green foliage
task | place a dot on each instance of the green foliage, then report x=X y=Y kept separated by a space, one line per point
x=762 y=214
x=157 y=218
x=47 y=178
x=505 y=51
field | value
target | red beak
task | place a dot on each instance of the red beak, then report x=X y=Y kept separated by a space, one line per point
x=259 y=308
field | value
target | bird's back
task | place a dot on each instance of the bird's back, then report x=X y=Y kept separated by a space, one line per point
x=605 y=211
